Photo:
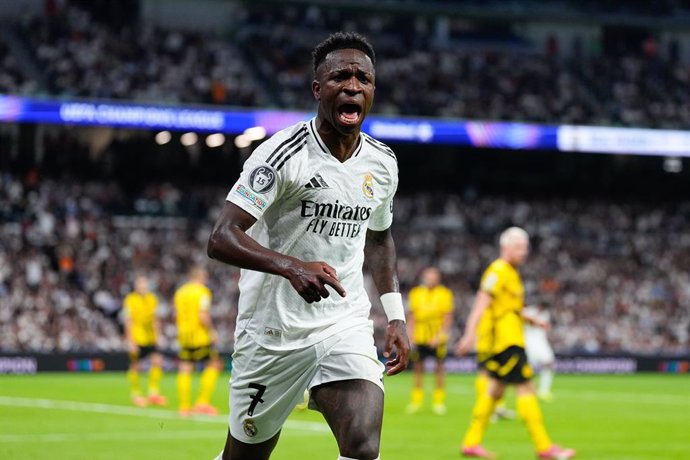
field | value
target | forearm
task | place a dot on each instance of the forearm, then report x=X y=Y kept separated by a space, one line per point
x=380 y=257
x=231 y=245
x=446 y=324
x=480 y=304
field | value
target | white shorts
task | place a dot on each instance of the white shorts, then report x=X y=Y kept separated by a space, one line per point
x=539 y=352
x=266 y=384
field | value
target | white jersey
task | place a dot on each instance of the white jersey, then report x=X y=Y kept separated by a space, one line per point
x=533 y=333
x=310 y=206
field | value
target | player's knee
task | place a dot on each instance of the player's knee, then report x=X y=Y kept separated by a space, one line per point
x=362 y=446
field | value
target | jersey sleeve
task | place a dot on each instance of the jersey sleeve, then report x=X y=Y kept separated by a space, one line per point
x=261 y=182
x=491 y=281
x=382 y=217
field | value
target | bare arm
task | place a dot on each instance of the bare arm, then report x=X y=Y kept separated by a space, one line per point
x=131 y=344
x=380 y=257
x=481 y=302
x=230 y=244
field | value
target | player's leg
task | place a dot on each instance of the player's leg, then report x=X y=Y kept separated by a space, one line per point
x=439 y=396
x=354 y=411
x=417 y=395
x=184 y=383
x=238 y=450
x=207 y=384
x=530 y=413
x=481 y=413
x=155 y=377
x=133 y=378
x=347 y=389
x=546 y=374
x=265 y=387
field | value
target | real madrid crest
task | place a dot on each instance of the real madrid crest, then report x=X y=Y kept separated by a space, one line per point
x=250 y=428
x=368 y=186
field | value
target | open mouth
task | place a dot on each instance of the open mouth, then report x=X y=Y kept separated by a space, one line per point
x=349 y=114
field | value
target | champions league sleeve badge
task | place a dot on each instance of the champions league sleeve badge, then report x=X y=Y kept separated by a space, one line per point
x=262 y=179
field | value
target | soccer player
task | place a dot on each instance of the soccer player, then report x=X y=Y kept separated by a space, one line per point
x=539 y=352
x=312 y=205
x=429 y=320
x=196 y=337
x=141 y=334
x=501 y=297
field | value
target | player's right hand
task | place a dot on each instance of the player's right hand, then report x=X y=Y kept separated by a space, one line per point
x=133 y=348
x=311 y=278
x=465 y=345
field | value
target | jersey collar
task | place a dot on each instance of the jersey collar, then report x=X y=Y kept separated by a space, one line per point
x=322 y=145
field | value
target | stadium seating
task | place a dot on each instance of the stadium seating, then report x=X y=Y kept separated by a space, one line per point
x=614 y=285
x=496 y=76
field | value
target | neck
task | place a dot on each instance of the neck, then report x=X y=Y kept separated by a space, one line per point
x=340 y=145
x=507 y=260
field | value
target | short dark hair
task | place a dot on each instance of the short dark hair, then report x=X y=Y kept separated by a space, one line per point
x=341 y=41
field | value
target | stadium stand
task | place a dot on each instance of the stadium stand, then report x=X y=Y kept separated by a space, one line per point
x=615 y=286
x=491 y=73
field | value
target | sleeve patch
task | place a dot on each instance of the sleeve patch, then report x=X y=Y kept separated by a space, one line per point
x=252 y=198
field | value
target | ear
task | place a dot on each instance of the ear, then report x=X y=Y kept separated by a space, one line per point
x=316 y=89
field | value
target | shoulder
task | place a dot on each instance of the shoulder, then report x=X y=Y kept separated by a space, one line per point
x=381 y=152
x=281 y=146
x=446 y=290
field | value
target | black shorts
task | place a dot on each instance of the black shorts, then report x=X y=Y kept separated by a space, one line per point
x=421 y=352
x=144 y=351
x=509 y=366
x=482 y=358
x=197 y=354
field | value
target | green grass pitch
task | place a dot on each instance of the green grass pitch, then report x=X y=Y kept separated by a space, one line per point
x=88 y=416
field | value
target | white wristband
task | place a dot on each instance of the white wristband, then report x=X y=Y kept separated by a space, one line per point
x=393 y=306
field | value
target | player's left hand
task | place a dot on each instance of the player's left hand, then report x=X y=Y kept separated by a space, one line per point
x=396 y=335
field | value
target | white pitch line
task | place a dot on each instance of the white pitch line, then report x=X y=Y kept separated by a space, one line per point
x=99 y=408
x=113 y=436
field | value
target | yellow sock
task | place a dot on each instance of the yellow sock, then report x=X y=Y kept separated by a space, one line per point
x=530 y=413
x=155 y=376
x=417 y=397
x=481 y=413
x=133 y=377
x=501 y=403
x=481 y=385
x=184 y=390
x=439 y=396
x=207 y=385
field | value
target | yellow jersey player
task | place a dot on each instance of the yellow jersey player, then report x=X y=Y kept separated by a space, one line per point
x=141 y=334
x=429 y=320
x=485 y=334
x=501 y=297
x=196 y=338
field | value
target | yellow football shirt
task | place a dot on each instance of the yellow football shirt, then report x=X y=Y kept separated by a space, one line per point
x=428 y=308
x=141 y=310
x=190 y=299
x=504 y=314
x=485 y=337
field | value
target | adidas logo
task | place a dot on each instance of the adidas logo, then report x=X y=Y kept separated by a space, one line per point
x=317 y=182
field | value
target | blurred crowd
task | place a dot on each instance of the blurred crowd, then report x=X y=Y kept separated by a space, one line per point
x=615 y=275
x=426 y=66
x=143 y=62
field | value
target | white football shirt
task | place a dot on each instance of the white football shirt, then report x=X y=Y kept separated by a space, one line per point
x=535 y=333
x=310 y=206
